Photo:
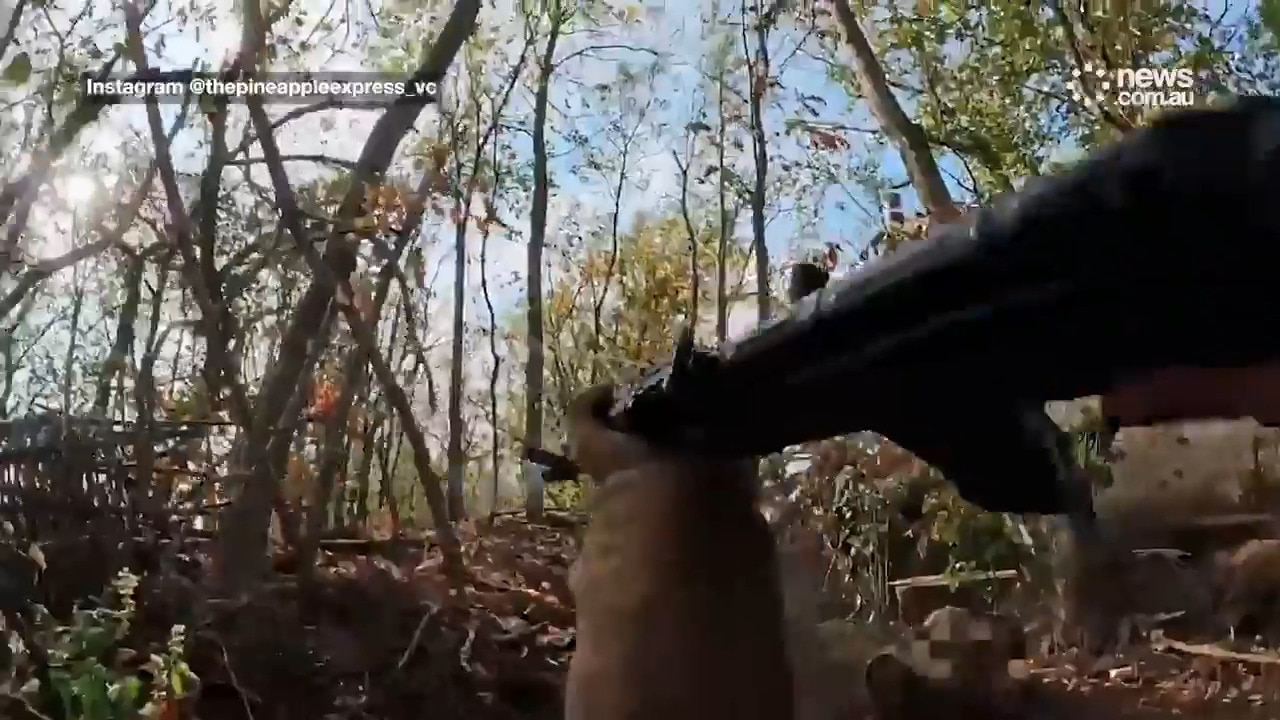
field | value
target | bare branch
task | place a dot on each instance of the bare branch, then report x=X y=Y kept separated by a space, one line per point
x=180 y=231
x=365 y=339
x=39 y=270
x=315 y=158
x=18 y=196
x=244 y=537
x=12 y=29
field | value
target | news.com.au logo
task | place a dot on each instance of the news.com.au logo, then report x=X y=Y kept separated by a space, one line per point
x=1133 y=87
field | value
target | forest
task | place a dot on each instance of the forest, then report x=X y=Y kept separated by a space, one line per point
x=271 y=364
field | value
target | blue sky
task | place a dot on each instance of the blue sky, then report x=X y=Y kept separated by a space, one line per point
x=672 y=26
x=674 y=30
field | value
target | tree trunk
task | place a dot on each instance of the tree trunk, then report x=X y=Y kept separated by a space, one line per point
x=906 y=135
x=243 y=544
x=457 y=459
x=722 y=245
x=125 y=335
x=463 y=198
x=533 y=374
x=68 y=365
x=495 y=372
x=759 y=69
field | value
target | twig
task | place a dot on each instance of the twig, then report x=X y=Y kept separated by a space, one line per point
x=1159 y=642
x=417 y=638
x=956 y=578
x=25 y=706
x=235 y=683
x=464 y=654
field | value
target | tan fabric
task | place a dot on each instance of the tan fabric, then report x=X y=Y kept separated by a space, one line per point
x=677 y=590
x=679 y=613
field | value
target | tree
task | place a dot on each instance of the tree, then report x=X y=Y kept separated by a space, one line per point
x=244 y=541
x=468 y=156
x=640 y=309
x=557 y=16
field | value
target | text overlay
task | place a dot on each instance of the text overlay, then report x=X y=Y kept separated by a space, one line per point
x=272 y=87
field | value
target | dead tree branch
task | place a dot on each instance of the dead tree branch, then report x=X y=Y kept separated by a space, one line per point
x=365 y=339
x=246 y=527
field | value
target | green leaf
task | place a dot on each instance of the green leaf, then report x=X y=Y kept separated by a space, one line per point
x=88 y=688
x=97 y=640
x=125 y=694
x=19 y=69
x=61 y=681
x=178 y=680
x=131 y=688
x=1269 y=15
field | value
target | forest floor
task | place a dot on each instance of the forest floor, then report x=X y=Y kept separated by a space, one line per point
x=380 y=636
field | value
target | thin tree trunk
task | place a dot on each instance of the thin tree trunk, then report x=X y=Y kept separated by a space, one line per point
x=125 y=334
x=722 y=246
x=695 y=277
x=759 y=85
x=364 y=472
x=68 y=365
x=534 y=380
x=463 y=199
x=906 y=135
x=494 y=372
x=457 y=459
x=243 y=545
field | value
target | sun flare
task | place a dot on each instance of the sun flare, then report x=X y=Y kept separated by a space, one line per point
x=79 y=189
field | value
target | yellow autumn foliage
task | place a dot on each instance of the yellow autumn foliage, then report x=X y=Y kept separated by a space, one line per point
x=643 y=295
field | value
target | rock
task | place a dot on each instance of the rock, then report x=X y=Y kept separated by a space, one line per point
x=848 y=648
x=1250 y=588
x=898 y=691
x=893 y=688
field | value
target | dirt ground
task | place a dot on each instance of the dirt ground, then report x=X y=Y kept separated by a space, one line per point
x=381 y=639
x=373 y=637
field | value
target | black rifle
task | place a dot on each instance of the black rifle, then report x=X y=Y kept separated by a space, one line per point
x=1159 y=250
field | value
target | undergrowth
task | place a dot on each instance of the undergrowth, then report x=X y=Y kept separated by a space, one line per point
x=83 y=668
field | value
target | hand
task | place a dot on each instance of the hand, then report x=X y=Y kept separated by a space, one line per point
x=678 y=601
x=599 y=450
